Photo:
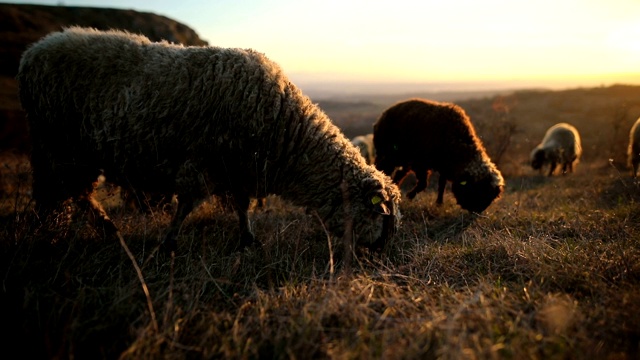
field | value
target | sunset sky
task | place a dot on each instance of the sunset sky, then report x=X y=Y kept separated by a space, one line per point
x=555 y=43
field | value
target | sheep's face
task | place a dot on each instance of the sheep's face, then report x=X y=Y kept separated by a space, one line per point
x=380 y=222
x=375 y=215
x=537 y=159
x=476 y=196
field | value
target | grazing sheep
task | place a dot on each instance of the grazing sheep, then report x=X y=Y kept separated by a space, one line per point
x=190 y=121
x=633 y=151
x=560 y=146
x=423 y=136
x=365 y=144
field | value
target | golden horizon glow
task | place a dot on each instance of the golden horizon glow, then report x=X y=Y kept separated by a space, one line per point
x=422 y=41
x=464 y=40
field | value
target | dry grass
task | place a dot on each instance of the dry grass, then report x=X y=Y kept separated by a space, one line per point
x=550 y=271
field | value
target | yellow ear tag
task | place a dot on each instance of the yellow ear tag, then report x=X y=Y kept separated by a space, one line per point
x=463 y=183
x=375 y=200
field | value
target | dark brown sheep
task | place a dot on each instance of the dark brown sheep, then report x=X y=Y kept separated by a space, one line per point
x=191 y=121
x=423 y=136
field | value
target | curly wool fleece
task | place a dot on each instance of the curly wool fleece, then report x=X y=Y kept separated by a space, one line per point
x=193 y=121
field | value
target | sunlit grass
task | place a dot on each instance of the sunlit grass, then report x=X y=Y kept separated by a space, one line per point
x=549 y=271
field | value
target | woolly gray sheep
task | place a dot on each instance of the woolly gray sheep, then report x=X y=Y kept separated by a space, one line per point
x=423 y=136
x=633 y=152
x=365 y=144
x=559 y=147
x=190 y=121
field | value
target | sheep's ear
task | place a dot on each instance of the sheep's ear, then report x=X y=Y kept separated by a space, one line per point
x=378 y=205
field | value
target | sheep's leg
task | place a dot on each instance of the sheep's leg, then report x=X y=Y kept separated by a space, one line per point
x=246 y=237
x=47 y=189
x=568 y=167
x=634 y=165
x=422 y=175
x=191 y=190
x=552 y=167
x=442 y=183
x=51 y=188
x=186 y=204
x=82 y=184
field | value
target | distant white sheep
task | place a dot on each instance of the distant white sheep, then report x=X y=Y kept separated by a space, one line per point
x=190 y=121
x=633 y=152
x=560 y=147
x=365 y=144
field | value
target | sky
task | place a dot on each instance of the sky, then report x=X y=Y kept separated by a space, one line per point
x=548 y=43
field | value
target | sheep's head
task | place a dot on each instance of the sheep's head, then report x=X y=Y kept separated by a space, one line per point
x=385 y=218
x=538 y=158
x=476 y=195
x=369 y=210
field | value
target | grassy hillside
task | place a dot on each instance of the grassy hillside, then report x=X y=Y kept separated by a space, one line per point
x=551 y=270
x=603 y=116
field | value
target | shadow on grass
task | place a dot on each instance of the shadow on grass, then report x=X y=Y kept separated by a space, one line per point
x=623 y=191
x=526 y=182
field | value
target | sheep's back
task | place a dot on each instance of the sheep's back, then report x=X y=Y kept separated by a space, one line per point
x=136 y=106
x=563 y=136
x=430 y=132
